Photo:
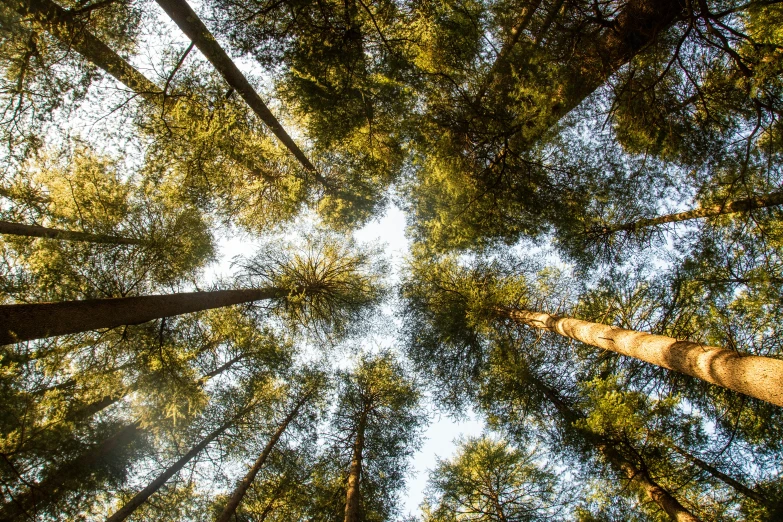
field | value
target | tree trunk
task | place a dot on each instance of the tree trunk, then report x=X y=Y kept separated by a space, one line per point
x=190 y=24
x=67 y=476
x=24 y=322
x=641 y=477
x=239 y=492
x=759 y=377
x=355 y=473
x=55 y=20
x=126 y=510
x=738 y=486
x=17 y=229
x=730 y=207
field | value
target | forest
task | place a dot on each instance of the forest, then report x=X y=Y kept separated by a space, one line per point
x=593 y=202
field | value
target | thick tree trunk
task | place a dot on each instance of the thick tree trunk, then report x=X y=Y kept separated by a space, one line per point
x=69 y=476
x=635 y=474
x=248 y=479
x=190 y=24
x=352 y=495
x=23 y=322
x=730 y=207
x=126 y=510
x=18 y=229
x=738 y=486
x=759 y=377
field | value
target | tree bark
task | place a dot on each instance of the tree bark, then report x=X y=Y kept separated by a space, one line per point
x=190 y=24
x=131 y=506
x=758 y=377
x=24 y=322
x=355 y=474
x=67 y=476
x=18 y=229
x=635 y=474
x=730 y=207
x=241 y=489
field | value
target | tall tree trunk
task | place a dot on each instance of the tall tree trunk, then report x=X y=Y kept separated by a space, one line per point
x=738 y=486
x=23 y=322
x=730 y=207
x=56 y=20
x=126 y=510
x=190 y=24
x=635 y=474
x=18 y=229
x=68 y=476
x=352 y=495
x=239 y=492
x=759 y=377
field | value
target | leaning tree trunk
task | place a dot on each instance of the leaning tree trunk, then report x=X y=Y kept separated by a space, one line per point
x=355 y=473
x=68 y=476
x=57 y=21
x=190 y=24
x=730 y=207
x=735 y=484
x=759 y=377
x=131 y=506
x=24 y=322
x=239 y=492
x=17 y=229
x=635 y=474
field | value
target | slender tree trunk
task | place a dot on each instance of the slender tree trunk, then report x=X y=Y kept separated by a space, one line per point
x=730 y=207
x=126 y=510
x=56 y=20
x=759 y=377
x=190 y=24
x=738 y=486
x=23 y=322
x=355 y=474
x=17 y=229
x=68 y=476
x=239 y=492
x=640 y=476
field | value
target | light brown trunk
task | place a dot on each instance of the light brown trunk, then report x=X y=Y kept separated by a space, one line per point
x=131 y=506
x=190 y=24
x=355 y=474
x=239 y=492
x=759 y=377
x=68 y=476
x=18 y=229
x=640 y=477
x=730 y=207
x=23 y=322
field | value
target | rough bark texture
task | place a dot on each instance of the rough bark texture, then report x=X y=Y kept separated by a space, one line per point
x=355 y=473
x=126 y=510
x=730 y=207
x=635 y=474
x=190 y=24
x=23 y=322
x=248 y=479
x=759 y=377
x=70 y=475
x=17 y=229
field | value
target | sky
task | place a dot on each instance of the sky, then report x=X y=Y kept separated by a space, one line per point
x=440 y=435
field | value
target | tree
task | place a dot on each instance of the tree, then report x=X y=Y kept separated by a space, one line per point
x=488 y=480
